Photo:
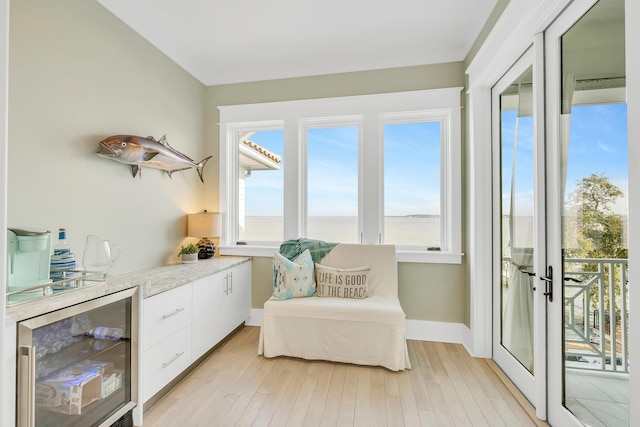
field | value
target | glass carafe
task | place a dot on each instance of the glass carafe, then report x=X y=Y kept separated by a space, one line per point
x=99 y=255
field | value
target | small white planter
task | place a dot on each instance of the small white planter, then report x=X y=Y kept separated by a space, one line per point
x=189 y=258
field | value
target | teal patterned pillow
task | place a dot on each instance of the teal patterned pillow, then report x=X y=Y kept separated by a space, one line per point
x=293 y=279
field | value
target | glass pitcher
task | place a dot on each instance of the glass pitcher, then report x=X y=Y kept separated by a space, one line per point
x=99 y=255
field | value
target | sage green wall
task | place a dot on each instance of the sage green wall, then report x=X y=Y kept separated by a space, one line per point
x=76 y=75
x=427 y=291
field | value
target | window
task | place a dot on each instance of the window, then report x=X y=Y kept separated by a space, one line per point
x=371 y=169
x=260 y=186
x=412 y=184
x=332 y=184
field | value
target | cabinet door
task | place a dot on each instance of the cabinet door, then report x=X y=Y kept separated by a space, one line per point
x=209 y=300
x=237 y=307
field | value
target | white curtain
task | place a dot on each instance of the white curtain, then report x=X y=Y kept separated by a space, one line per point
x=518 y=317
x=568 y=87
x=517 y=326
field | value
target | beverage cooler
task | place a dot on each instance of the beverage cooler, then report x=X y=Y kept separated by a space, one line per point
x=78 y=366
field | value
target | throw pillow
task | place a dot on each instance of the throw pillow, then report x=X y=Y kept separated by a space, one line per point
x=293 y=279
x=342 y=282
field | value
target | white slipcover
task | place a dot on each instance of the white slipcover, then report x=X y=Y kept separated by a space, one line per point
x=368 y=331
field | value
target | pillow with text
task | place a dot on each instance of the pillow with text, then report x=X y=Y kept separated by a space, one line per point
x=342 y=282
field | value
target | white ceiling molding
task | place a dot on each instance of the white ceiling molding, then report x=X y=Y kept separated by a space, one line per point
x=510 y=37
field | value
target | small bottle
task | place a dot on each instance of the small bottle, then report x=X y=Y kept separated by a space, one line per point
x=62 y=247
x=104 y=333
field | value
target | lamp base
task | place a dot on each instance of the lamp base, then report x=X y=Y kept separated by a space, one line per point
x=207 y=249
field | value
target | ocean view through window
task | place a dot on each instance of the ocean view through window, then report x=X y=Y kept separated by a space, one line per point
x=413 y=230
x=332 y=184
x=362 y=169
x=412 y=184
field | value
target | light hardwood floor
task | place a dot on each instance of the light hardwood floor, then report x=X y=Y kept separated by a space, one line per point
x=445 y=387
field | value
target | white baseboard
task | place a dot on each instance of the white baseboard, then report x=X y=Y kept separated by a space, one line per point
x=427 y=330
x=420 y=330
x=467 y=340
x=255 y=318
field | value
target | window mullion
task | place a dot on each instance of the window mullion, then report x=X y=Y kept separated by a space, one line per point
x=370 y=181
x=229 y=185
x=294 y=181
x=453 y=181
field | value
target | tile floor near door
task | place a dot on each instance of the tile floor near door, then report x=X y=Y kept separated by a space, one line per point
x=445 y=387
x=598 y=401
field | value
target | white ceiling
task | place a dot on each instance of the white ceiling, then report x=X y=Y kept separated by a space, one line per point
x=230 y=41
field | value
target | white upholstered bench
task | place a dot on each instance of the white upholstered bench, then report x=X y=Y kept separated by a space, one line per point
x=368 y=331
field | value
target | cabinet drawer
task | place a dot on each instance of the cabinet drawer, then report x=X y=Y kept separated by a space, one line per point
x=166 y=313
x=165 y=360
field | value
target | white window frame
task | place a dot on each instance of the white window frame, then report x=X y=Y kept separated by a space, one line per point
x=370 y=113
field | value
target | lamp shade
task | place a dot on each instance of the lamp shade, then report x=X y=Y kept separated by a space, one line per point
x=204 y=225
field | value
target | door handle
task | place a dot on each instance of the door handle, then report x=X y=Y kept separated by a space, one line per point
x=26 y=386
x=548 y=280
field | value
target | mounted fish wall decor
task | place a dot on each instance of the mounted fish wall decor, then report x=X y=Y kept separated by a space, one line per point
x=138 y=151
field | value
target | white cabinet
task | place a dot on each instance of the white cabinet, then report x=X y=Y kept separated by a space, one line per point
x=237 y=307
x=166 y=323
x=165 y=360
x=182 y=324
x=220 y=303
x=165 y=314
x=208 y=304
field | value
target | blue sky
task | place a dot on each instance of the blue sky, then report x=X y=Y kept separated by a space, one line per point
x=412 y=171
x=332 y=174
x=264 y=195
x=597 y=144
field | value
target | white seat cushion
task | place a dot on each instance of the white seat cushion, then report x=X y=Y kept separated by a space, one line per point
x=372 y=309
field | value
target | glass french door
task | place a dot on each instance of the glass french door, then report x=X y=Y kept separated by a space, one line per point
x=561 y=186
x=587 y=187
x=518 y=309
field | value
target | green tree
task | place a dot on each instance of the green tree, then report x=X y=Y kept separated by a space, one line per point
x=599 y=231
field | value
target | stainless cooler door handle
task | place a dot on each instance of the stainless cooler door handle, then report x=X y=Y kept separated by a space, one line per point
x=26 y=386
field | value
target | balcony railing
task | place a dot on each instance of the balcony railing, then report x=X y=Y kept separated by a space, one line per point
x=596 y=313
x=596 y=318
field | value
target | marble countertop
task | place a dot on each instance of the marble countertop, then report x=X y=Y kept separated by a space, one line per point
x=151 y=281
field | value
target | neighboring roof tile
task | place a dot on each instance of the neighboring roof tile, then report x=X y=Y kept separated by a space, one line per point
x=263 y=151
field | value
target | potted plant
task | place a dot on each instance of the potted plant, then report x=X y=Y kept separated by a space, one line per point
x=189 y=253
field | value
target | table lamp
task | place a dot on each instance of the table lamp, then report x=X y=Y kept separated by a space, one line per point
x=204 y=225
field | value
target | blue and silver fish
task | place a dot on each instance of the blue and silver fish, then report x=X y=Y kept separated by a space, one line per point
x=139 y=151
